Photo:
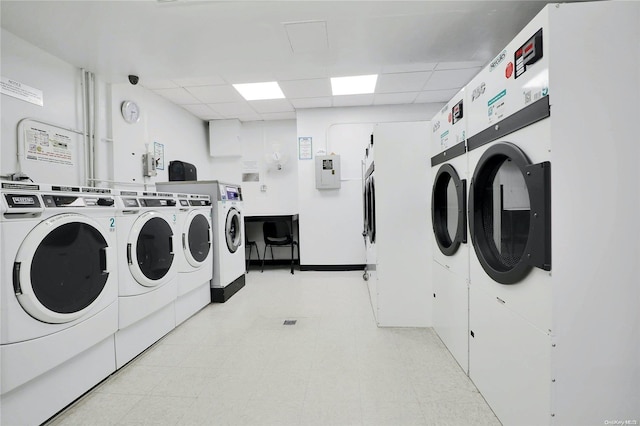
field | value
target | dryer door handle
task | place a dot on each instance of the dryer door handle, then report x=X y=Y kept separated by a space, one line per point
x=170 y=244
x=129 y=254
x=184 y=244
x=104 y=260
x=16 y=278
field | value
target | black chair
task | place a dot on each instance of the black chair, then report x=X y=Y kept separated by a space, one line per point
x=251 y=245
x=278 y=234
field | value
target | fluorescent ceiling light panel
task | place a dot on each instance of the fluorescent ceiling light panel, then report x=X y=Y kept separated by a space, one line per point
x=260 y=91
x=356 y=85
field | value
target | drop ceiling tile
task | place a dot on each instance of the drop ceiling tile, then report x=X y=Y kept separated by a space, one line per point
x=349 y=70
x=202 y=111
x=352 y=100
x=159 y=84
x=249 y=117
x=307 y=37
x=212 y=80
x=432 y=96
x=450 y=79
x=215 y=94
x=323 y=102
x=300 y=70
x=178 y=96
x=232 y=109
x=314 y=88
x=402 y=82
x=279 y=116
x=458 y=65
x=409 y=67
x=394 y=98
x=271 y=105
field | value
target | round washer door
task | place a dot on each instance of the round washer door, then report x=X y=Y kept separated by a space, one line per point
x=196 y=238
x=232 y=230
x=372 y=210
x=150 y=250
x=365 y=208
x=61 y=268
x=510 y=213
x=448 y=209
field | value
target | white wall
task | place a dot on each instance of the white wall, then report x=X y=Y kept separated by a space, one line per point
x=331 y=220
x=184 y=136
x=60 y=84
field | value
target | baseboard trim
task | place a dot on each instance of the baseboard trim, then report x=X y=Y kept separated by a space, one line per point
x=356 y=267
x=222 y=294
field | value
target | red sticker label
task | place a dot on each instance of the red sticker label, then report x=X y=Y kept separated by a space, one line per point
x=509 y=70
x=449 y=117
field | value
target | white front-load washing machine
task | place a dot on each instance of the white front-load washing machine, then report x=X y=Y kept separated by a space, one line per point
x=195 y=256
x=449 y=221
x=148 y=270
x=59 y=296
x=228 y=233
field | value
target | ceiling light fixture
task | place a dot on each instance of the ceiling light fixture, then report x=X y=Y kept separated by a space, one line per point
x=356 y=85
x=260 y=91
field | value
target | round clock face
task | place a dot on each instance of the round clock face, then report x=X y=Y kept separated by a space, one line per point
x=130 y=112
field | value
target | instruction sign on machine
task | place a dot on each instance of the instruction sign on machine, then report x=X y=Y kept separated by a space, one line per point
x=327 y=171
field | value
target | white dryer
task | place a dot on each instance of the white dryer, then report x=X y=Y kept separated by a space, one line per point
x=59 y=296
x=554 y=194
x=228 y=233
x=369 y=222
x=195 y=256
x=148 y=270
x=398 y=236
x=509 y=222
x=449 y=221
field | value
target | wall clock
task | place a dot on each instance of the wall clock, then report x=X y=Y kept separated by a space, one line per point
x=130 y=112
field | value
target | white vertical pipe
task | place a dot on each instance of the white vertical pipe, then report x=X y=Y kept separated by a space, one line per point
x=84 y=124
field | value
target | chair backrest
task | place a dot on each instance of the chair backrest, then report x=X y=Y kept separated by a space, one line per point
x=276 y=232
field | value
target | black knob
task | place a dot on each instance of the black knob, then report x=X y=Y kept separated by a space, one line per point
x=105 y=201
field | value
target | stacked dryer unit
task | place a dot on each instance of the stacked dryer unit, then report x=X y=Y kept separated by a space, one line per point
x=553 y=217
x=59 y=297
x=449 y=219
x=400 y=287
x=147 y=238
x=369 y=221
x=228 y=232
x=195 y=264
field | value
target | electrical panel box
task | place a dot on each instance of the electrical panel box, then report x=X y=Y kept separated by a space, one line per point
x=149 y=163
x=327 y=171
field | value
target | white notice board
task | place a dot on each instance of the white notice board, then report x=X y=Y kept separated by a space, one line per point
x=49 y=153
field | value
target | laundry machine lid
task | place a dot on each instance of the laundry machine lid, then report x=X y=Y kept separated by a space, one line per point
x=150 y=249
x=196 y=238
x=510 y=213
x=62 y=268
x=448 y=209
x=233 y=230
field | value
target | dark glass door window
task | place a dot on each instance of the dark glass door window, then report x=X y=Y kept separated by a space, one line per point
x=233 y=230
x=372 y=210
x=199 y=243
x=448 y=210
x=67 y=270
x=510 y=213
x=154 y=248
